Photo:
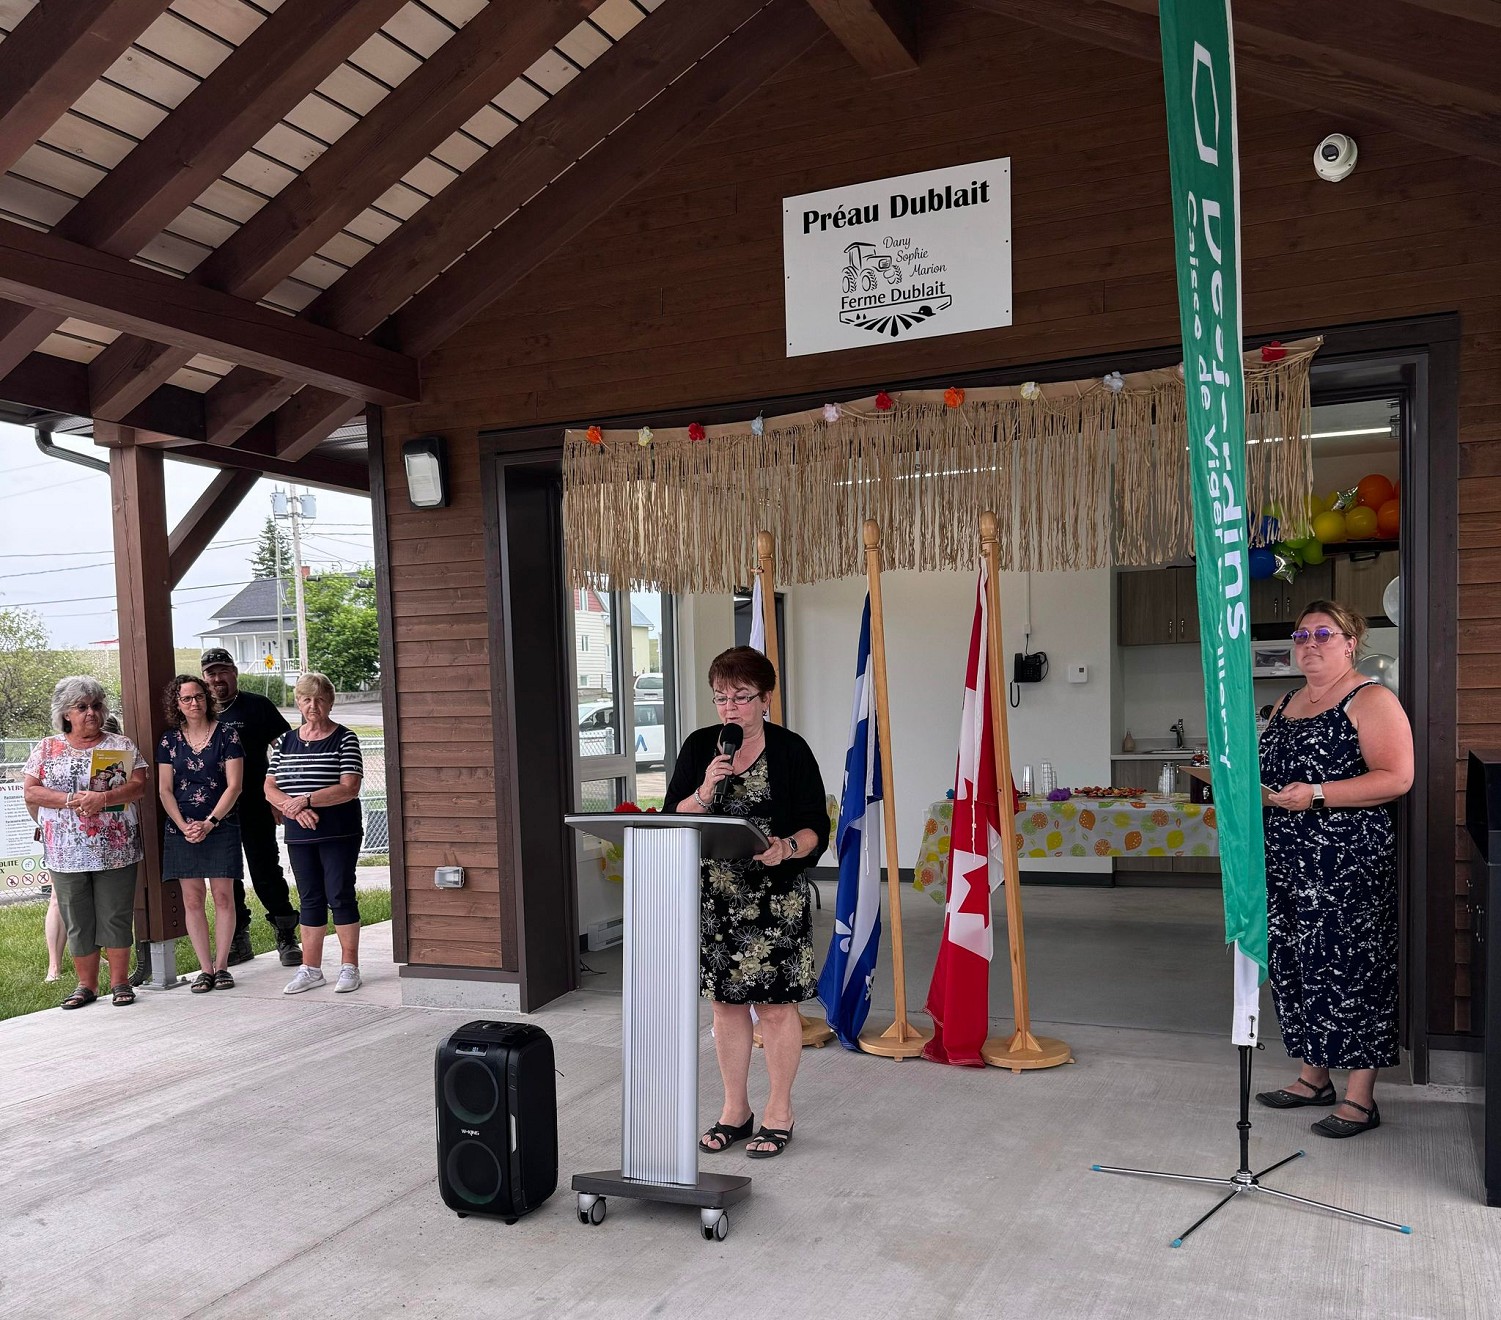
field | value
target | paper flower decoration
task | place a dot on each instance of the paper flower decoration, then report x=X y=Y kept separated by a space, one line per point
x=1031 y=390
x=884 y=402
x=831 y=412
x=1273 y=352
x=953 y=396
x=758 y=424
x=594 y=436
x=643 y=436
x=696 y=432
x=1114 y=382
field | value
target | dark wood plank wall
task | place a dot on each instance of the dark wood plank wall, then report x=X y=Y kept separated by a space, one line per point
x=674 y=300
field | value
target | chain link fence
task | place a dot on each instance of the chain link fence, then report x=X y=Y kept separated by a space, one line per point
x=14 y=751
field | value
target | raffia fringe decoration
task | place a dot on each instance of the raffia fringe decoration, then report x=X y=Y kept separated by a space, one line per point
x=1080 y=477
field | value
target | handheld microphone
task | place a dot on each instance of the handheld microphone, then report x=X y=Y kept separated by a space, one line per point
x=730 y=738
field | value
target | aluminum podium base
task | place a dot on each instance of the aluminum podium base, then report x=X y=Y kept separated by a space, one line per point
x=659 y=1014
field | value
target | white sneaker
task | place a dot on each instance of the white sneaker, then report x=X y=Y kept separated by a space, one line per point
x=307 y=978
x=349 y=979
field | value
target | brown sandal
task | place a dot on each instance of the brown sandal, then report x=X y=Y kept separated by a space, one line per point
x=80 y=998
x=122 y=994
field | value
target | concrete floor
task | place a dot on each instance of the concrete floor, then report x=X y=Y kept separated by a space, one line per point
x=245 y=1154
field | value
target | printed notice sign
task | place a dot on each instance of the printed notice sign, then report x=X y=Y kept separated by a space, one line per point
x=897 y=259
x=20 y=854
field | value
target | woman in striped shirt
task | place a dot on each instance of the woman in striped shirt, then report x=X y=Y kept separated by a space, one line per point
x=314 y=782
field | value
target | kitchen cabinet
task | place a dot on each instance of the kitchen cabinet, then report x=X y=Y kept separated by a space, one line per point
x=1156 y=606
x=1275 y=604
x=1137 y=773
x=1359 y=583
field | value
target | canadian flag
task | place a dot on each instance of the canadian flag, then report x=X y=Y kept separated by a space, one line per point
x=959 y=995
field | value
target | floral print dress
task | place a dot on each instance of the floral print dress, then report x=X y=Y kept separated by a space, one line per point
x=756 y=929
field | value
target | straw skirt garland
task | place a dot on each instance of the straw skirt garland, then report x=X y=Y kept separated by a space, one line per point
x=1082 y=474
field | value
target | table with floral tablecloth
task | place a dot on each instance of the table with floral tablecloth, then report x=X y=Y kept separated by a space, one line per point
x=1148 y=826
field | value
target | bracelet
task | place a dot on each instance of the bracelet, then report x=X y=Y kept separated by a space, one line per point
x=700 y=800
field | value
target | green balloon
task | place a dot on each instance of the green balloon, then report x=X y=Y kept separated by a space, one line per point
x=1290 y=550
x=1313 y=552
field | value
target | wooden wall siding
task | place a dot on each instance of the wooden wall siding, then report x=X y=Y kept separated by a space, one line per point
x=674 y=298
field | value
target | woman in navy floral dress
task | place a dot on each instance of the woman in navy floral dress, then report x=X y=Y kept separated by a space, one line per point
x=200 y=768
x=1336 y=752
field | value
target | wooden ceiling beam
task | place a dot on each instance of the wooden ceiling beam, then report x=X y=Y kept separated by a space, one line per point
x=65 y=279
x=1334 y=81
x=54 y=55
x=733 y=70
x=622 y=80
x=278 y=64
x=205 y=520
x=419 y=115
x=881 y=35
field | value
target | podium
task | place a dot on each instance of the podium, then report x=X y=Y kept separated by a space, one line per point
x=660 y=987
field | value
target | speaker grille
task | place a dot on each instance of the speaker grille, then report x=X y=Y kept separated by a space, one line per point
x=471 y=1091
x=474 y=1172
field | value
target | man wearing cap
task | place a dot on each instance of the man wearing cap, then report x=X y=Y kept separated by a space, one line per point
x=260 y=723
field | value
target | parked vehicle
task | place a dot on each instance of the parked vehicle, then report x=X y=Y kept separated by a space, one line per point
x=598 y=735
x=650 y=686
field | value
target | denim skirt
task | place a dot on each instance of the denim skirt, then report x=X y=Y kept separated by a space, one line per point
x=218 y=855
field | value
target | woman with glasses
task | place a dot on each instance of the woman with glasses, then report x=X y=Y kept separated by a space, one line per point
x=756 y=927
x=1337 y=751
x=200 y=771
x=91 y=838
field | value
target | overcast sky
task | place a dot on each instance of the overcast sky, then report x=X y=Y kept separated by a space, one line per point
x=55 y=541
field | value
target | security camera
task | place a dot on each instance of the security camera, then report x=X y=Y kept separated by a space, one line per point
x=1335 y=157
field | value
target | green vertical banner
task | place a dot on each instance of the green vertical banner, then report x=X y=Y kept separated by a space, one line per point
x=1198 y=69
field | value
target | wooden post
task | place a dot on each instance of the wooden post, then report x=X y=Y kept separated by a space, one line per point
x=901 y=1040
x=144 y=605
x=816 y=1032
x=1022 y=1049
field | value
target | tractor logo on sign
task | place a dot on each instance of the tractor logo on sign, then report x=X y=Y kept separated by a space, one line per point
x=875 y=298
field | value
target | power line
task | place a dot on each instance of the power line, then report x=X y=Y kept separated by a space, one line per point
x=112 y=595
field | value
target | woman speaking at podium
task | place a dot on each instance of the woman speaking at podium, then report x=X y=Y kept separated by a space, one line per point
x=756 y=930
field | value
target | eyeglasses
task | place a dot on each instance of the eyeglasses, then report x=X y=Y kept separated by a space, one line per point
x=96 y=706
x=1302 y=637
x=735 y=698
x=197 y=698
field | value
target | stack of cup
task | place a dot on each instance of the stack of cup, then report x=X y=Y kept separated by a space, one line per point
x=1026 y=781
x=1048 y=780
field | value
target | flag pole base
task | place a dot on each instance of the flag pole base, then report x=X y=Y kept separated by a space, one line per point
x=901 y=1040
x=1024 y=1051
x=816 y=1033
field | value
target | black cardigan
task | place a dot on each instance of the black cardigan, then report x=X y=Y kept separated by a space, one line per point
x=798 y=801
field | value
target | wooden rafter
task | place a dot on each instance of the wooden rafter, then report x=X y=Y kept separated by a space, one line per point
x=1390 y=64
x=66 y=279
x=224 y=116
x=624 y=79
x=880 y=34
x=200 y=524
x=450 y=88
x=55 y=54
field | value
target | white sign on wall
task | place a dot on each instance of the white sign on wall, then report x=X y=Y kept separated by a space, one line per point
x=897 y=259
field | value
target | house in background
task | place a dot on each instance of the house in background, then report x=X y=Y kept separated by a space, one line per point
x=246 y=627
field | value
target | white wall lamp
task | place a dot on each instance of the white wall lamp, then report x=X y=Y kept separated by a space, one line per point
x=426 y=461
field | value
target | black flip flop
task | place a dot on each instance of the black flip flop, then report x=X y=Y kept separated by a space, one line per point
x=726 y=1135
x=776 y=1137
x=202 y=983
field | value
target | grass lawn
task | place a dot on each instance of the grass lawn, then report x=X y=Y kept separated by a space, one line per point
x=23 y=950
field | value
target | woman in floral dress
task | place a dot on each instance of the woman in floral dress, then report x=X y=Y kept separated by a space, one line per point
x=201 y=766
x=756 y=928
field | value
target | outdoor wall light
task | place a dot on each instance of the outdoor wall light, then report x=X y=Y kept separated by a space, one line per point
x=426 y=460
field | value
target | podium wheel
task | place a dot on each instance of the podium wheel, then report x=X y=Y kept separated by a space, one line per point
x=714 y=1225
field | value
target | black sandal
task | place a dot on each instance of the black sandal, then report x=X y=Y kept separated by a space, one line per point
x=223 y=980
x=1335 y=1126
x=776 y=1138
x=202 y=983
x=1322 y=1097
x=726 y=1135
x=122 y=994
x=80 y=998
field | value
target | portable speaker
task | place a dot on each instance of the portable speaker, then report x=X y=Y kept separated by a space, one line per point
x=497 y=1107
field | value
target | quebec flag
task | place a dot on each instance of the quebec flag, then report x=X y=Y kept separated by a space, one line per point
x=844 y=985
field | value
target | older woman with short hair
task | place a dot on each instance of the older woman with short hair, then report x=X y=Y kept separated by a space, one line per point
x=314 y=782
x=91 y=832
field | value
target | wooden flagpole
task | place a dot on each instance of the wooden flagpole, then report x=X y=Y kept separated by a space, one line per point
x=1022 y=1049
x=901 y=1040
x=816 y=1032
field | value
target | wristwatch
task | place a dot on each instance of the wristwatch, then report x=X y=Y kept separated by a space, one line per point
x=213 y=820
x=1318 y=802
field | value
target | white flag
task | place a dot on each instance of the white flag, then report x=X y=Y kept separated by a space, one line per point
x=758 y=617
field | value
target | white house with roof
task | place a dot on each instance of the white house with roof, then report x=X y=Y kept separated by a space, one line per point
x=245 y=626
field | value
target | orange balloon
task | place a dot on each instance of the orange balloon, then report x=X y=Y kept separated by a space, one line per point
x=1374 y=490
x=1360 y=523
x=1389 y=520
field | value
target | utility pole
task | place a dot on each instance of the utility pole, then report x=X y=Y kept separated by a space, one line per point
x=278 y=502
x=296 y=515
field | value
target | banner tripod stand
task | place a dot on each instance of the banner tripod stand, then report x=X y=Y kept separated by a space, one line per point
x=1243 y=1180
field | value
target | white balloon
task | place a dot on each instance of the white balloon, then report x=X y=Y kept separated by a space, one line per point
x=1391 y=599
x=1380 y=667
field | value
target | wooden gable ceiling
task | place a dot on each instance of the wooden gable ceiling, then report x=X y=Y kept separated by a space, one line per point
x=230 y=224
